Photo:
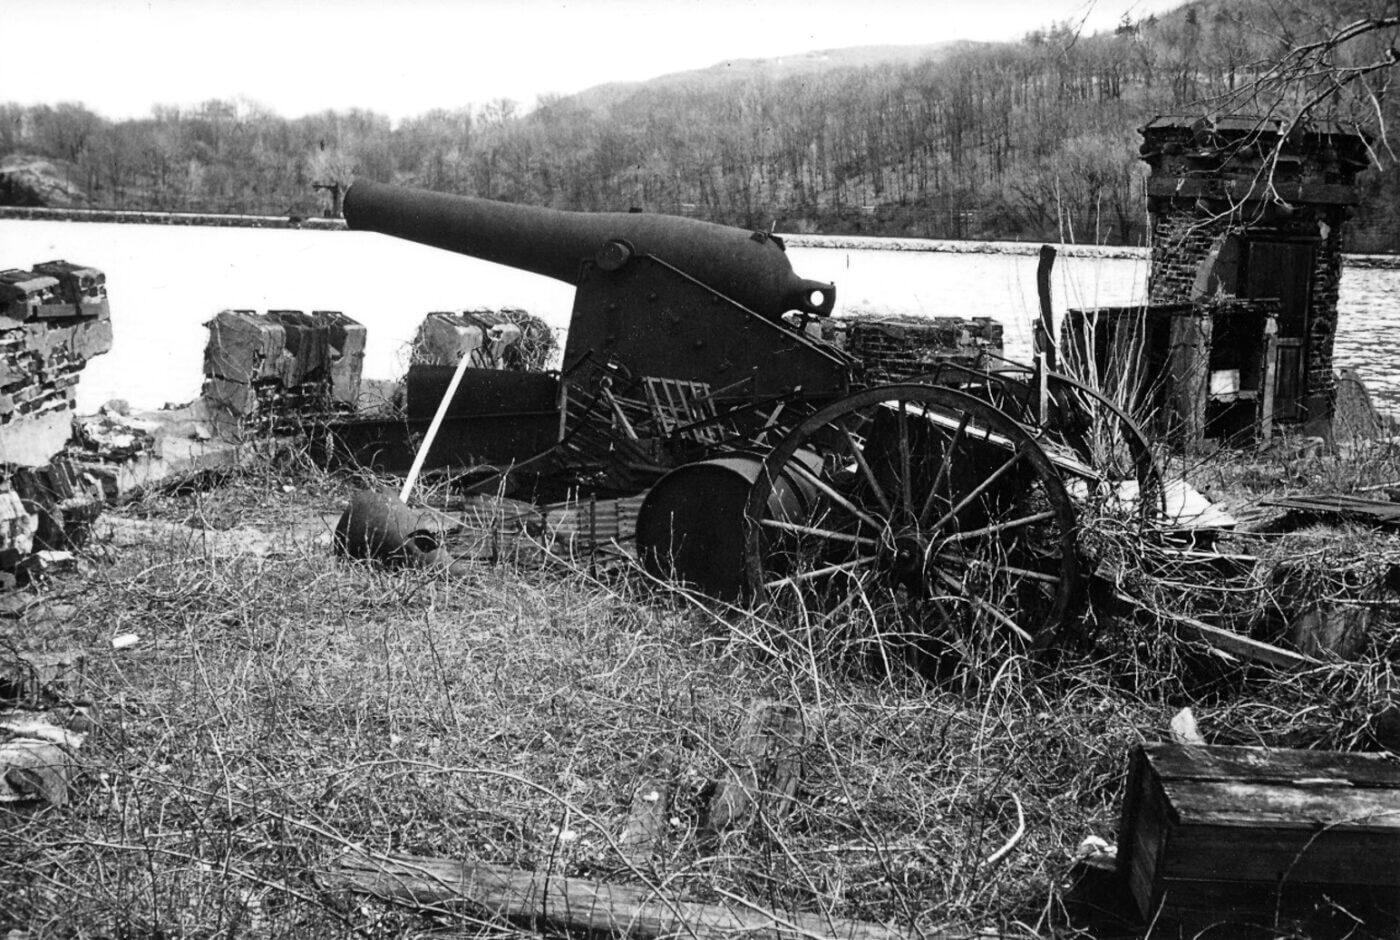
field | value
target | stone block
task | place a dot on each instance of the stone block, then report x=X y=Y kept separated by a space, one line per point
x=244 y=347
x=236 y=398
x=308 y=342
x=445 y=337
x=347 y=341
x=347 y=336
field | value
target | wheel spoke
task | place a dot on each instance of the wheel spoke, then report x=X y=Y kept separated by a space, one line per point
x=1009 y=569
x=943 y=469
x=986 y=608
x=840 y=500
x=906 y=488
x=977 y=491
x=820 y=533
x=1002 y=526
x=857 y=591
x=859 y=453
x=852 y=565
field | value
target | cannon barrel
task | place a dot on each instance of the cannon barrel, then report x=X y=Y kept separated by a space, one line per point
x=750 y=268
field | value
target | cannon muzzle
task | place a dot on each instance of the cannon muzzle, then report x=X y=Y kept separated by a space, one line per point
x=750 y=268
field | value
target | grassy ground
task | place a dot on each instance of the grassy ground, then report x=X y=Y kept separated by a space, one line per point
x=282 y=708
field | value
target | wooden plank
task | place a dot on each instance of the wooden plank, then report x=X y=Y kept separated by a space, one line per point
x=1288 y=382
x=1333 y=911
x=1302 y=805
x=538 y=898
x=1273 y=765
x=1187 y=187
x=1242 y=646
x=1371 y=511
x=1214 y=851
x=1141 y=843
x=1189 y=375
x=1268 y=375
x=1227 y=641
x=1045 y=327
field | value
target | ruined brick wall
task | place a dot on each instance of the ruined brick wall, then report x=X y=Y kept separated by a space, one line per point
x=1327 y=279
x=1181 y=242
x=52 y=321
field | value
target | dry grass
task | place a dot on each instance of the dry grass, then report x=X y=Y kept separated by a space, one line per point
x=283 y=708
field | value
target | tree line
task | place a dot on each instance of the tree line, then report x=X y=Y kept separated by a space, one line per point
x=1029 y=140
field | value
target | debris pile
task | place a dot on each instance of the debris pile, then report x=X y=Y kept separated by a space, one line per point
x=57 y=505
x=113 y=435
x=282 y=365
x=45 y=716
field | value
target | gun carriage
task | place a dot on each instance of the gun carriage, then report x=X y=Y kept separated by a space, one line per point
x=776 y=471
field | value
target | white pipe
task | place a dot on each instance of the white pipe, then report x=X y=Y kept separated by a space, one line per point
x=427 y=444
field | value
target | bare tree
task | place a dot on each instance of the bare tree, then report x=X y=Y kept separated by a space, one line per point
x=1331 y=72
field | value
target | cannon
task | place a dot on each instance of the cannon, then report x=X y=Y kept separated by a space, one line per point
x=773 y=472
x=655 y=294
x=750 y=268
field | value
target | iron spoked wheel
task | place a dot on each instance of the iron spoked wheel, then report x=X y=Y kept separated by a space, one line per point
x=1081 y=422
x=925 y=514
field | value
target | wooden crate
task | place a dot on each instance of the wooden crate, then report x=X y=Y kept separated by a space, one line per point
x=1247 y=834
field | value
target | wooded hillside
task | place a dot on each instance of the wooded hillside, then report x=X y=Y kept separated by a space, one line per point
x=1030 y=140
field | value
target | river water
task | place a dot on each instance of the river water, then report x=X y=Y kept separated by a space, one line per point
x=165 y=282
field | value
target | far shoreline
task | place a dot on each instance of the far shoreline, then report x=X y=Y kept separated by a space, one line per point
x=796 y=240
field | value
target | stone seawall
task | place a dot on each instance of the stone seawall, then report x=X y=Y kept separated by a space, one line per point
x=169 y=218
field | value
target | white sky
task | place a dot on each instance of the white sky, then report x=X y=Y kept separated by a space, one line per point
x=401 y=58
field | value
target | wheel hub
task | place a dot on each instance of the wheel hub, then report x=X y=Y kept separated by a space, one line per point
x=902 y=556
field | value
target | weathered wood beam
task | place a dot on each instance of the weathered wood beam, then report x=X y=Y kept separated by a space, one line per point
x=1227 y=641
x=540 y=899
x=1045 y=326
x=1244 y=647
x=1239 y=190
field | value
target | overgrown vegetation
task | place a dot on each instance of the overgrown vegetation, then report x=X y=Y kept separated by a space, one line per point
x=284 y=708
x=1030 y=140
